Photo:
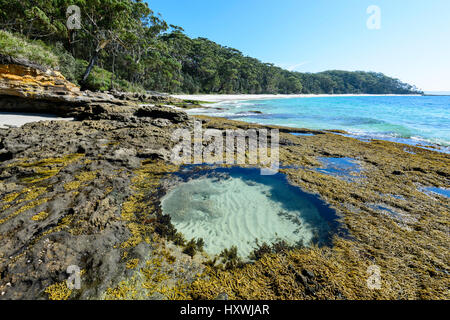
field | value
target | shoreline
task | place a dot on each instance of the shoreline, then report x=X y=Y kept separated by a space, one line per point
x=89 y=194
x=214 y=98
x=18 y=119
x=211 y=105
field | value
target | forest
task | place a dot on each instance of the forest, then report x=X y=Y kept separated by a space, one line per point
x=124 y=45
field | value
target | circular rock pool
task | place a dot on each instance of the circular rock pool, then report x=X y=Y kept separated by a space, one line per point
x=239 y=207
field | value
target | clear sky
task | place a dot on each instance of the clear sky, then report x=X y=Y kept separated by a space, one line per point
x=413 y=43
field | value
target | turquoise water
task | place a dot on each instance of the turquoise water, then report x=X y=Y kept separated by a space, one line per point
x=439 y=191
x=406 y=119
x=340 y=167
x=237 y=207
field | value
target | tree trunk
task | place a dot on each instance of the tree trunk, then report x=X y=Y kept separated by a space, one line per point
x=70 y=42
x=113 y=72
x=93 y=60
x=90 y=66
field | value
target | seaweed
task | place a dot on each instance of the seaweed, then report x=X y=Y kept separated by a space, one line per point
x=193 y=246
x=231 y=259
x=277 y=247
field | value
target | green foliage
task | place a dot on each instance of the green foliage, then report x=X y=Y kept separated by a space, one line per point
x=341 y=82
x=103 y=80
x=22 y=48
x=57 y=57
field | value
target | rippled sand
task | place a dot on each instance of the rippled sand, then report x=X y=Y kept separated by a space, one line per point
x=235 y=212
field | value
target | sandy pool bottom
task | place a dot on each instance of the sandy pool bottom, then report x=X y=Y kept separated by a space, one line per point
x=240 y=208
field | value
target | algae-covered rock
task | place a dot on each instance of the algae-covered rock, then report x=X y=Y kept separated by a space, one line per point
x=87 y=193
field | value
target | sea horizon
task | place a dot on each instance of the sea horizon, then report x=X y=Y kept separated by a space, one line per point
x=419 y=120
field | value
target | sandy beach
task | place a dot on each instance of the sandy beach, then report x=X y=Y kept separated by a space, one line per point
x=18 y=120
x=234 y=97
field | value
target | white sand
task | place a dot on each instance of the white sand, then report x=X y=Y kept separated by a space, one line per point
x=18 y=120
x=234 y=97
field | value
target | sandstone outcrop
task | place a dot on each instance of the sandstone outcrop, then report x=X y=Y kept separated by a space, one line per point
x=28 y=87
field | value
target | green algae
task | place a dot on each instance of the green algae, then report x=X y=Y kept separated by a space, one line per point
x=412 y=261
x=408 y=259
x=407 y=262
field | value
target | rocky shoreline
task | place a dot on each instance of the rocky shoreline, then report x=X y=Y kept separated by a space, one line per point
x=86 y=193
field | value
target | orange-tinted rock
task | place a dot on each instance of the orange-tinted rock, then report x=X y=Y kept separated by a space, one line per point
x=28 y=82
x=26 y=87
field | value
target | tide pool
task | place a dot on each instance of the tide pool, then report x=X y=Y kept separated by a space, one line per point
x=239 y=207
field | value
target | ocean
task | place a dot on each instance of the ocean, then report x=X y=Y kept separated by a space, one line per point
x=415 y=120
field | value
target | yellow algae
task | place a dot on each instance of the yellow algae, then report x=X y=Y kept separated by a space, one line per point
x=40 y=216
x=79 y=179
x=409 y=262
x=46 y=168
x=122 y=292
x=30 y=194
x=137 y=208
x=33 y=193
x=11 y=197
x=64 y=223
x=65 y=160
x=72 y=185
x=24 y=208
x=58 y=291
x=86 y=176
x=154 y=278
x=137 y=230
x=132 y=264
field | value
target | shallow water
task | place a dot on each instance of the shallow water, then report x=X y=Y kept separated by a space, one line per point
x=236 y=207
x=404 y=219
x=341 y=167
x=299 y=134
x=407 y=119
x=439 y=191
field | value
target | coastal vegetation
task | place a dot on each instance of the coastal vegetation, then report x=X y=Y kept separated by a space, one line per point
x=124 y=45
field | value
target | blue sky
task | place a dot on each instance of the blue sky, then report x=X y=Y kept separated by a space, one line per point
x=413 y=43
